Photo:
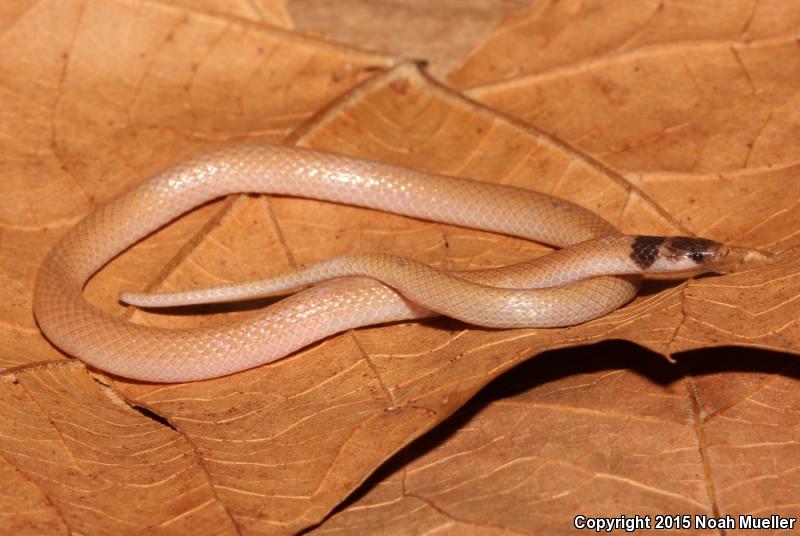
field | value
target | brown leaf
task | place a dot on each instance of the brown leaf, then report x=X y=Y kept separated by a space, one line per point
x=695 y=107
x=90 y=464
x=439 y=33
x=271 y=12
x=698 y=140
x=570 y=434
x=553 y=34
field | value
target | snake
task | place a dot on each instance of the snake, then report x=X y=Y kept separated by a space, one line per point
x=596 y=270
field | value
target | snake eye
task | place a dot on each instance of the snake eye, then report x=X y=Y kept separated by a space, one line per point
x=697 y=256
x=700 y=251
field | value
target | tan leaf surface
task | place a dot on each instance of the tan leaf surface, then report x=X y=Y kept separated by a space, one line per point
x=440 y=33
x=272 y=12
x=611 y=429
x=568 y=433
x=553 y=34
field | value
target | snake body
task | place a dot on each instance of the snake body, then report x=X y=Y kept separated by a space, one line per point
x=497 y=298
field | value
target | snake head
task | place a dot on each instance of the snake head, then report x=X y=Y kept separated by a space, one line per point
x=677 y=253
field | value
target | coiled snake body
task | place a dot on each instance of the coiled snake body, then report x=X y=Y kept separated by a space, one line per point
x=577 y=285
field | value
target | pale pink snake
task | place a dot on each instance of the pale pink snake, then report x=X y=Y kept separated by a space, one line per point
x=503 y=297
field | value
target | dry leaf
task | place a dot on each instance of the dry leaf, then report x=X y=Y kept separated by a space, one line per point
x=439 y=33
x=658 y=127
x=551 y=35
x=599 y=431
